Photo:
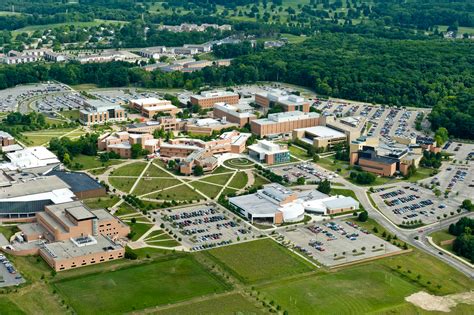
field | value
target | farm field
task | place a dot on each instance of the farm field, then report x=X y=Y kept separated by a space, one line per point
x=260 y=260
x=375 y=287
x=228 y=304
x=139 y=287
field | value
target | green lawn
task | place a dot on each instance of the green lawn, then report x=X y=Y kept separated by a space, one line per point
x=293 y=39
x=133 y=169
x=36 y=138
x=358 y=290
x=101 y=202
x=125 y=208
x=139 y=287
x=88 y=162
x=138 y=229
x=8 y=231
x=71 y=114
x=378 y=286
x=154 y=171
x=227 y=304
x=7 y=307
x=122 y=184
x=181 y=192
x=33 y=28
x=239 y=181
x=260 y=260
x=209 y=190
x=299 y=153
x=259 y=180
x=167 y=243
x=421 y=173
x=241 y=163
x=217 y=179
x=147 y=185
x=333 y=165
x=221 y=169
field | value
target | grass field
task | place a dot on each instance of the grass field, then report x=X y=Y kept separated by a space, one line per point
x=154 y=171
x=442 y=235
x=71 y=114
x=122 y=184
x=88 y=162
x=101 y=202
x=36 y=138
x=221 y=169
x=239 y=163
x=139 y=287
x=125 y=208
x=227 y=304
x=239 y=181
x=218 y=179
x=374 y=287
x=147 y=185
x=33 y=28
x=133 y=169
x=259 y=180
x=260 y=260
x=209 y=190
x=181 y=192
x=8 y=307
x=138 y=229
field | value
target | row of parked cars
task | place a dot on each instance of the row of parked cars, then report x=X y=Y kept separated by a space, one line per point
x=4 y=260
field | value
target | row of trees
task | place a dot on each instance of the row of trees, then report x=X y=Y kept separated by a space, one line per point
x=464 y=243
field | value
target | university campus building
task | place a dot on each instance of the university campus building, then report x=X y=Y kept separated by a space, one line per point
x=149 y=107
x=209 y=99
x=276 y=97
x=100 y=112
x=283 y=123
x=269 y=153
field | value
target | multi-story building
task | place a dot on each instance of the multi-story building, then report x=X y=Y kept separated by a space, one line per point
x=164 y=122
x=233 y=114
x=320 y=136
x=268 y=152
x=275 y=97
x=100 y=112
x=350 y=126
x=149 y=107
x=206 y=126
x=283 y=123
x=381 y=160
x=194 y=152
x=152 y=52
x=209 y=99
x=121 y=143
x=70 y=235
x=26 y=56
x=6 y=139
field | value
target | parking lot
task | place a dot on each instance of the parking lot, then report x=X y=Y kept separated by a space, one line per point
x=336 y=242
x=462 y=152
x=309 y=171
x=8 y=274
x=204 y=226
x=409 y=203
x=457 y=179
x=9 y=98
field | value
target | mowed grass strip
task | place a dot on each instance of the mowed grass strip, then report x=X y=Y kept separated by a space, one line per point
x=148 y=185
x=225 y=304
x=133 y=169
x=139 y=287
x=260 y=260
x=102 y=202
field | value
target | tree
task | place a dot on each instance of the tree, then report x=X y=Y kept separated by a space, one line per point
x=467 y=204
x=66 y=159
x=441 y=136
x=363 y=216
x=324 y=186
x=301 y=180
x=198 y=170
x=136 y=150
